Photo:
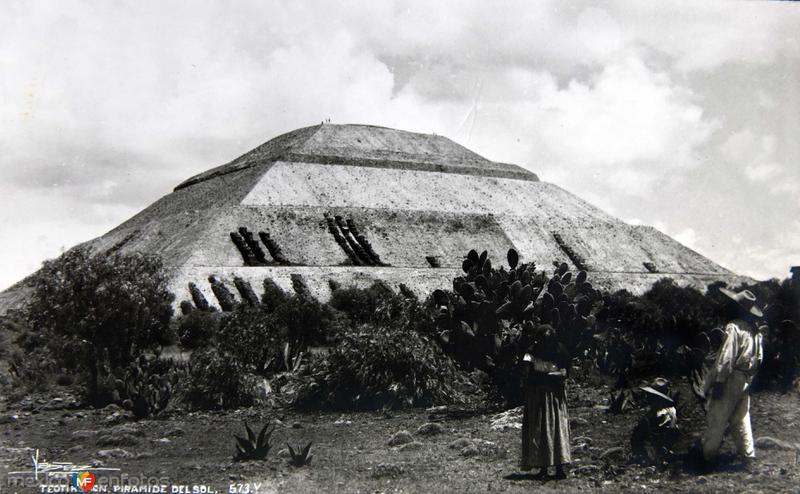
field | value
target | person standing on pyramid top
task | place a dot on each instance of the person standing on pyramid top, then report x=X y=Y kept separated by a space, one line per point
x=729 y=380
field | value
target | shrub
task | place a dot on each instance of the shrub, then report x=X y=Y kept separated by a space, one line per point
x=375 y=366
x=196 y=329
x=254 y=335
x=306 y=320
x=217 y=381
x=145 y=386
x=91 y=305
x=32 y=371
x=376 y=304
x=273 y=295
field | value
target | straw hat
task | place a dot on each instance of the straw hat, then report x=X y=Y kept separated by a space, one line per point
x=745 y=299
x=658 y=390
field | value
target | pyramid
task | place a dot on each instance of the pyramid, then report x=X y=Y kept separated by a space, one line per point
x=358 y=203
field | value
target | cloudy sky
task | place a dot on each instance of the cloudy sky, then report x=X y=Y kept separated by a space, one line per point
x=684 y=116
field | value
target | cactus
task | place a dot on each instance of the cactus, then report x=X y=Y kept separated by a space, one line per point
x=140 y=389
x=186 y=307
x=301 y=457
x=619 y=402
x=199 y=299
x=513 y=258
x=246 y=291
x=492 y=315
x=253 y=447
x=224 y=296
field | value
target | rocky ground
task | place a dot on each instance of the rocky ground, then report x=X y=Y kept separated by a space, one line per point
x=386 y=451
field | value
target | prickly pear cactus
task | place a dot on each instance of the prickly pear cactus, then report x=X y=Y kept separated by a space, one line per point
x=492 y=314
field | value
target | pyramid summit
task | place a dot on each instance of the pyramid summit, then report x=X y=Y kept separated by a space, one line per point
x=356 y=203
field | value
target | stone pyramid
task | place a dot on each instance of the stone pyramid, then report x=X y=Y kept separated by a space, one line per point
x=359 y=203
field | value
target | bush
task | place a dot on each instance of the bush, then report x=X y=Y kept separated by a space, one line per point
x=376 y=366
x=90 y=307
x=256 y=337
x=306 y=320
x=197 y=328
x=217 y=381
x=144 y=387
x=32 y=371
x=376 y=304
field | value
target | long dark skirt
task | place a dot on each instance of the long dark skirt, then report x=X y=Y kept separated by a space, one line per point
x=545 y=426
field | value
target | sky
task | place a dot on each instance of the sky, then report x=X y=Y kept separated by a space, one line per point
x=679 y=115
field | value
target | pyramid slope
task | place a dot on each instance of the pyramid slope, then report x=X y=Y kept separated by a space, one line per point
x=417 y=199
x=366 y=146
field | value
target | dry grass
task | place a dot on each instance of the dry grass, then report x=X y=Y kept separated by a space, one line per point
x=351 y=454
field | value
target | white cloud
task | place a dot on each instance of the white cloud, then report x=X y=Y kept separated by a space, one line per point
x=106 y=106
x=755 y=154
x=619 y=124
x=759 y=172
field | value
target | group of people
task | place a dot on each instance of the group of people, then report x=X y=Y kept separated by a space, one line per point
x=545 y=426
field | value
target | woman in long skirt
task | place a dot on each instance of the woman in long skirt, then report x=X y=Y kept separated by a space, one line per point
x=545 y=423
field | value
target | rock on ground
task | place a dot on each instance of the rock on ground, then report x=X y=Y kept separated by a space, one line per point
x=400 y=438
x=114 y=453
x=768 y=442
x=122 y=439
x=510 y=419
x=610 y=452
x=129 y=428
x=412 y=446
x=478 y=447
x=460 y=443
x=430 y=429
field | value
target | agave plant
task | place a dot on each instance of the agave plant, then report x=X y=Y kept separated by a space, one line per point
x=619 y=401
x=301 y=457
x=253 y=448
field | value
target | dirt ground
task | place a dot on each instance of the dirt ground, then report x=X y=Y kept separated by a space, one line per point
x=194 y=450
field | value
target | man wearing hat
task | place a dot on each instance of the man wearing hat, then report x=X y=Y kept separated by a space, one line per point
x=657 y=431
x=730 y=377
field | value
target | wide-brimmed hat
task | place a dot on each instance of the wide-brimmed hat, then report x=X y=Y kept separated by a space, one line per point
x=658 y=389
x=745 y=299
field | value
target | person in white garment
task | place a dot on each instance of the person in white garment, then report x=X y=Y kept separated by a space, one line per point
x=728 y=383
